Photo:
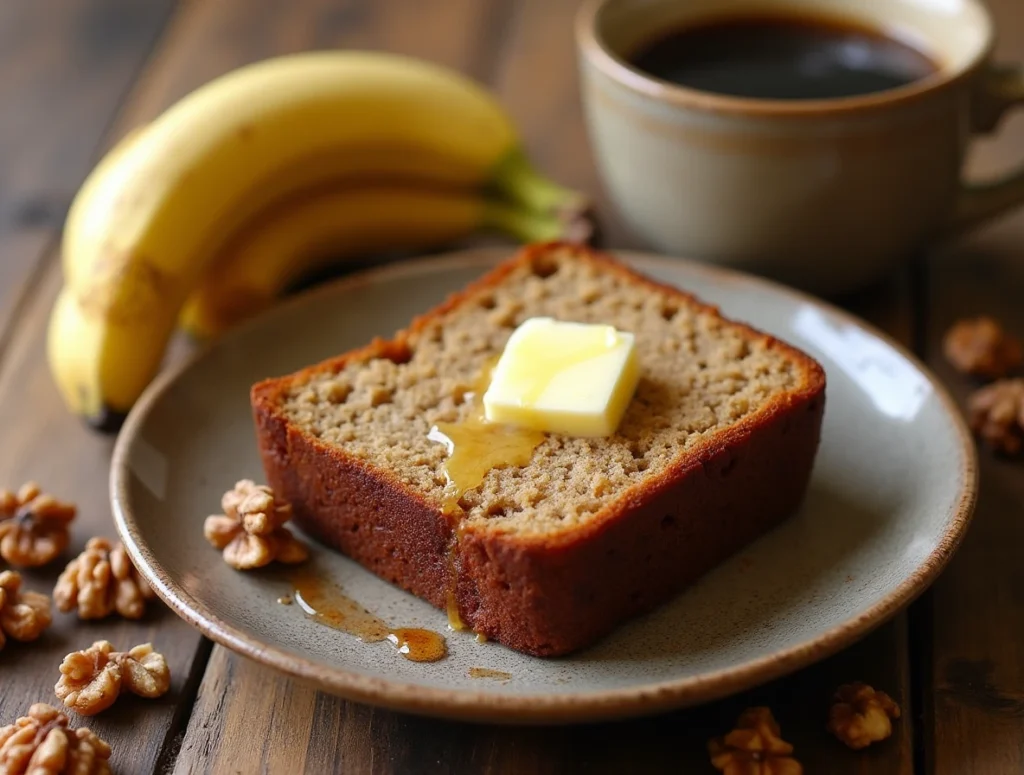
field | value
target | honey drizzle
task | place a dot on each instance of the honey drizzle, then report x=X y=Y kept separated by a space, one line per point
x=455 y=622
x=324 y=602
x=486 y=672
x=418 y=645
x=475 y=446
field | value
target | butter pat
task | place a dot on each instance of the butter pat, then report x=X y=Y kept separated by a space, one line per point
x=570 y=378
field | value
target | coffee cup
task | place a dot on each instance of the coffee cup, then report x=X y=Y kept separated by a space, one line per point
x=828 y=193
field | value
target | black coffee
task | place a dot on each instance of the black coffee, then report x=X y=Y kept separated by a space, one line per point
x=782 y=58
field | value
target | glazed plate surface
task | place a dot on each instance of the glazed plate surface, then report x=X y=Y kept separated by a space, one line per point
x=891 y=496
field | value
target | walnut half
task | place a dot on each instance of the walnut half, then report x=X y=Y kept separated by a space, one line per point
x=251 y=530
x=92 y=679
x=102 y=580
x=145 y=672
x=33 y=526
x=754 y=747
x=861 y=715
x=23 y=615
x=41 y=744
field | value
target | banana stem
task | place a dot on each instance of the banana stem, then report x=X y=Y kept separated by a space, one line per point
x=518 y=181
x=525 y=226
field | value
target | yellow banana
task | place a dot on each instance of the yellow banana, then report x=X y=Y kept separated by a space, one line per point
x=283 y=246
x=98 y=192
x=147 y=224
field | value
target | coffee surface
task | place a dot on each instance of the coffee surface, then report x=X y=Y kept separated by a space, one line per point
x=782 y=58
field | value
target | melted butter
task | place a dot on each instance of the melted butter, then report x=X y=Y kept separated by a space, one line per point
x=486 y=672
x=324 y=602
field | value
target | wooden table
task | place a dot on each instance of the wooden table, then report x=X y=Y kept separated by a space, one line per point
x=74 y=74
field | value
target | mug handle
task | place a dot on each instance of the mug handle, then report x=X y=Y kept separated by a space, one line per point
x=999 y=88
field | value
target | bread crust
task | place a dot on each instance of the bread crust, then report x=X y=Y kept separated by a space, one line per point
x=549 y=595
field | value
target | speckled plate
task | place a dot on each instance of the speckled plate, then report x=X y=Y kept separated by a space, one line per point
x=891 y=496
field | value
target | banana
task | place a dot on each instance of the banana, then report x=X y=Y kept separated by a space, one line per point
x=149 y=221
x=326 y=226
x=98 y=192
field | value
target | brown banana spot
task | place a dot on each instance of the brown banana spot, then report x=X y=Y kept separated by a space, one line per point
x=123 y=289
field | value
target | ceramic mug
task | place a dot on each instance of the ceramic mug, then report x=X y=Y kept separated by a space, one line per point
x=826 y=194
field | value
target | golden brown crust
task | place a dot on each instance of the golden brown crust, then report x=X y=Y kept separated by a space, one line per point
x=551 y=594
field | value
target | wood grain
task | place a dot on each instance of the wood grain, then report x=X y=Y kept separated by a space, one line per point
x=44 y=442
x=209 y=39
x=270 y=721
x=974 y=719
x=975 y=611
x=537 y=79
x=65 y=65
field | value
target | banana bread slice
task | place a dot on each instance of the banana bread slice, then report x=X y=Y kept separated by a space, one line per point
x=715 y=449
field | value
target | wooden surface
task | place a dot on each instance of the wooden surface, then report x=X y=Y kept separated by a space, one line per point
x=74 y=74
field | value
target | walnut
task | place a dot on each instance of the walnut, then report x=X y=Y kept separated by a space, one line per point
x=145 y=671
x=102 y=580
x=91 y=680
x=41 y=744
x=251 y=530
x=996 y=414
x=23 y=615
x=861 y=715
x=981 y=347
x=33 y=526
x=754 y=747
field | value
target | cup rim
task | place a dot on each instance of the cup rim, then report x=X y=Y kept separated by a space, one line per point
x=618 y=69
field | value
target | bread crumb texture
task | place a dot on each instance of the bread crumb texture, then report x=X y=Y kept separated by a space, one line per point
x=700 y=374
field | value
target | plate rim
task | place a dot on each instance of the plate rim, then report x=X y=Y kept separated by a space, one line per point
x=579 y=707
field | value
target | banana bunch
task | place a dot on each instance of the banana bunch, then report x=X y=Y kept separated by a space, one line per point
x=210 y=212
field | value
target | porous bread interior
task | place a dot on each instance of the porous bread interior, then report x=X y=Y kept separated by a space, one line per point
x=700 y=375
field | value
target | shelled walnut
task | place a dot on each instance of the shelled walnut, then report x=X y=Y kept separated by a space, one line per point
x=92 y=679
x=41 y=744
x=861 y=715
x=100 y=581
x=996 y=415
x=251 y=530
x=981 y=347
x=23 y=615
x=33 y=526
x=754 y=747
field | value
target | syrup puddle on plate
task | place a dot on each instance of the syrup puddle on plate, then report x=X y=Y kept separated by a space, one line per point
x=486 y=672
x=324 y=602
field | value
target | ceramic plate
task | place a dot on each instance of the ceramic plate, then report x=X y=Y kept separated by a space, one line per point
x=891 y=495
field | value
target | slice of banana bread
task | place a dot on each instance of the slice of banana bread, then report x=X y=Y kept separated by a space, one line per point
x=715 y=449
